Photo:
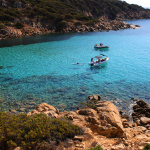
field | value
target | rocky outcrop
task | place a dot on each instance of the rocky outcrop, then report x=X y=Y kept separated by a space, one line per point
x=28 y=30
x=144 y=120
x=3 y=3
x=133 y=15
x=103 y=126
x=37 y=28
x=101 y=26
x=110 y=117
x=141 y=113
x=44 y=108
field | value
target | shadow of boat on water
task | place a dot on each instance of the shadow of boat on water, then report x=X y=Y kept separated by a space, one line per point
x=97 y=69
x=101 y=49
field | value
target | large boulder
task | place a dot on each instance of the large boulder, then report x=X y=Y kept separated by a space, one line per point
x=144 y=120
x=94 y=97
x=105 y=120
x=45 y=107
x=108 y=114
x=141 y=109
x=49 y=110
x=87 y=112
x=143 y=104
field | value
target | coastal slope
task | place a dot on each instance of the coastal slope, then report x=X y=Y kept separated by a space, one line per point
x=99 y=122
x=25 y=18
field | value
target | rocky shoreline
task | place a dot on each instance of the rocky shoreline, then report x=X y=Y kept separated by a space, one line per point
x=75 y=26
x=104 y=125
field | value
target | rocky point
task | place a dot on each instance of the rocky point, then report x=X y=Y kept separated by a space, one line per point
x=104 y=125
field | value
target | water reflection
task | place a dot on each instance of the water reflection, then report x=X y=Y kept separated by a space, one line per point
x=97 y=69
x=35 y=39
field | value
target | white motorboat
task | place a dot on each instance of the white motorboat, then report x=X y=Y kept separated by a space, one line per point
x=99 y=60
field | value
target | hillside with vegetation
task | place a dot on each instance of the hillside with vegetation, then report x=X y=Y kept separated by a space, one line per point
x=29 y=132
x=55 y=14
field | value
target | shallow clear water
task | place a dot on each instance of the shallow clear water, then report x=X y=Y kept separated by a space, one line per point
x=40 y=69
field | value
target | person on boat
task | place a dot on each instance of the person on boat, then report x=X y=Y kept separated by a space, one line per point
x=99 y=60
x=91 y=59
x=101 y=44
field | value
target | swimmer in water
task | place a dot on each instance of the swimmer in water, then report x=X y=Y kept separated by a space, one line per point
x=77 y=63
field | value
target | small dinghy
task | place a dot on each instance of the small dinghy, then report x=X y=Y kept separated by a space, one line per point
x=99 y=60
x=100 y=46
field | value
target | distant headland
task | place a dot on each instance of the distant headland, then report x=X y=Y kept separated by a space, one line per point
x=21 y=18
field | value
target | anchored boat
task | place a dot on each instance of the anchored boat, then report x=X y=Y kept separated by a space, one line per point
x=101 y=59
x=100 y=46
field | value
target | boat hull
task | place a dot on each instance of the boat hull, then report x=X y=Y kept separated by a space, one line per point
x=99 y=47
x=95 y=63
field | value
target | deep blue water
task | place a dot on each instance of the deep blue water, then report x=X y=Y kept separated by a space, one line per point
x=40 y=69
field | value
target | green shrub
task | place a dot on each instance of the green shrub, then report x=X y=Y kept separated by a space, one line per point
x=147 y=147
x=27 y=131
x=92 y=22
x=51 y=10
x=83 y=18
x=97 y=148
x=77 y=23
x=2 y=26
x=7 y=23
x=6 y=17
x=68 y=16
x=61 y=25
x=18 y=25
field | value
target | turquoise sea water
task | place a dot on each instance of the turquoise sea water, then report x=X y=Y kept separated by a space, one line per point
x=40 y=69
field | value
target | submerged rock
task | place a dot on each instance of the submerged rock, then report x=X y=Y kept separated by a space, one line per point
x=94 y=97
x=1 y=67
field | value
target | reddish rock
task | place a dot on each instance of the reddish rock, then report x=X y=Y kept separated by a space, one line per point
x=108 y=111
x=144 y=120
x=102 y=126
x=45 y=107
x=49 y=110
x=87 y=112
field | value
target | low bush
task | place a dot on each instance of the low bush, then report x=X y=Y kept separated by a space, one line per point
x=92 y=22
x=97 y=148
x=83 y=18
x=27 y=131
x=61 y=25
x=147 y=147
x=69 y=16
x=18 y=25
x=2 y=26
x=6 y=17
